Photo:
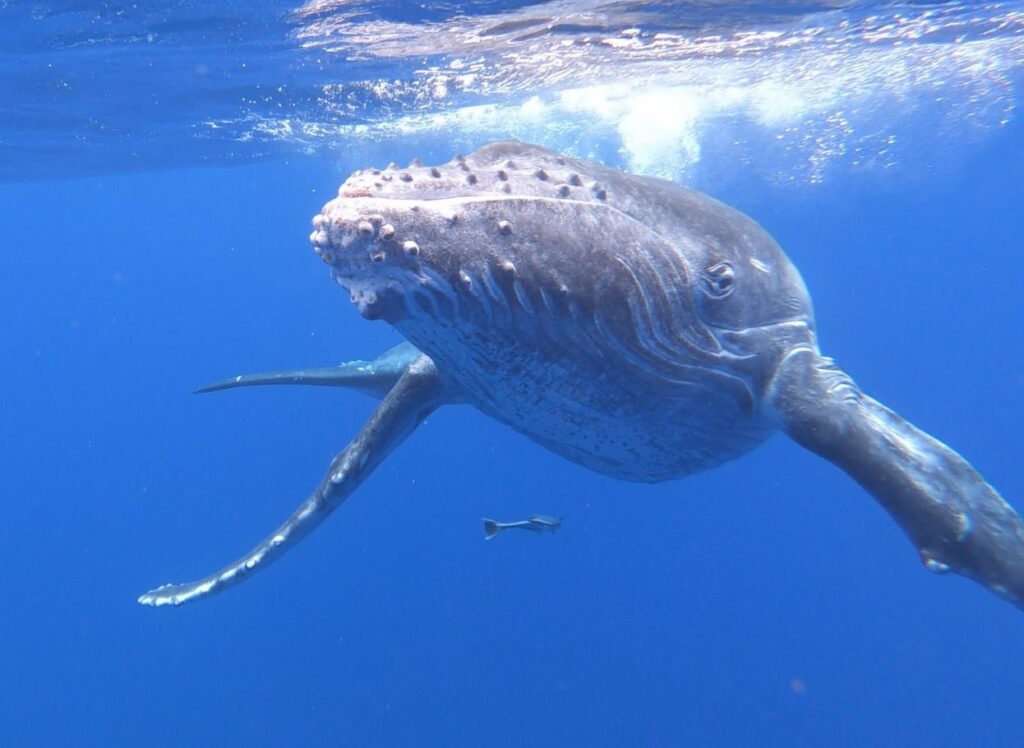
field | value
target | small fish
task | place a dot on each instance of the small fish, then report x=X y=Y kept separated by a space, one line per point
x=536 y=523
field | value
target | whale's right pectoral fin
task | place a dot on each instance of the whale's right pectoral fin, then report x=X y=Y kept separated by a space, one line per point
x=416 y=393
x=956 y=520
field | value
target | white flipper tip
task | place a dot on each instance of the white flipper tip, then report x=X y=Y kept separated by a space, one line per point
x=161 y=596
x=176 y=594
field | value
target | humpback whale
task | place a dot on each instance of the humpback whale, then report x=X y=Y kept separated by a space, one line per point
x=634 y=326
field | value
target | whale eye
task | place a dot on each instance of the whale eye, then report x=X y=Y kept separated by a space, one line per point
x=719 y=280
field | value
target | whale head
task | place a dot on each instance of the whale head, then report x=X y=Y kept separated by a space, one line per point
x=402 y=241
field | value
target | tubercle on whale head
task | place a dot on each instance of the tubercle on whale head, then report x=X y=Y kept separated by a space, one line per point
x=385 y=249
x=371 y=253
x=415 y=182
x=394 y=237
x=498 y=169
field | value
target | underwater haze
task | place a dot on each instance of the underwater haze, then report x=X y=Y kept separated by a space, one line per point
x=159 y=167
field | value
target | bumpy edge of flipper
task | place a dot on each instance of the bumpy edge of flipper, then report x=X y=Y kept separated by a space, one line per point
x=416 y=393
x=956 y=520
x=374 y=378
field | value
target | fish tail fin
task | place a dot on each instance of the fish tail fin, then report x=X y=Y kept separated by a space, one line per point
x=491 y=528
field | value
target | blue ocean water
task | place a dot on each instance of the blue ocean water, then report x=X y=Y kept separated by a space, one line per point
x=160 y=164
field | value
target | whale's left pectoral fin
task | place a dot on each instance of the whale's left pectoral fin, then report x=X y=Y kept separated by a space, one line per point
x=375 y=377
x=956 y=520
x=416 y=393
